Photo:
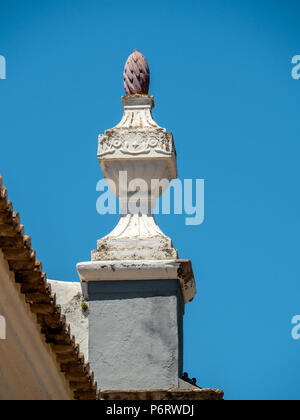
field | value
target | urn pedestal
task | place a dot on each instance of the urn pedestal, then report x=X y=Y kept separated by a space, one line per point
x=135 y=284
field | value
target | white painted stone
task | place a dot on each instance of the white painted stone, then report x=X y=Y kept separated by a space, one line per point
x=146 y=152
x=137 y=135
x=136 y=237
x=141 y=270
x=69 y=296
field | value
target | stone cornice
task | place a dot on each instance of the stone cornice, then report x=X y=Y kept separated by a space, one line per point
x=141 y=270
x=161 y=395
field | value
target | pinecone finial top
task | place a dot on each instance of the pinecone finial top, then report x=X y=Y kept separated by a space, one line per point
x=136 y=74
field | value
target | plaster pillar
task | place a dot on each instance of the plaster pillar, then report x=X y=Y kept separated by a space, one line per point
x=135 y=284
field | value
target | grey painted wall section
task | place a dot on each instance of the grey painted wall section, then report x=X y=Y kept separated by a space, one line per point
x=135 y=333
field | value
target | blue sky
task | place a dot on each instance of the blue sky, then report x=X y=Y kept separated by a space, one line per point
x=221 y=76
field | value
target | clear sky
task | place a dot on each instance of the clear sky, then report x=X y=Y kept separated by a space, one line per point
x=221 y=76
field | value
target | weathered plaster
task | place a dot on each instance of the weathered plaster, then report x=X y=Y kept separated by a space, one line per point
x=141 y=270
x=135 y=334
x=69 y=296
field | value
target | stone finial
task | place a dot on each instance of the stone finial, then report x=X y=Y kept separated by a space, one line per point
x=136 y=74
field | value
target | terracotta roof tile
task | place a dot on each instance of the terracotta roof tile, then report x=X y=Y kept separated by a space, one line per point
x=28 y=272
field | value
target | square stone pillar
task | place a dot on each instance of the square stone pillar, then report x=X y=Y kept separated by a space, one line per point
x=136 y=321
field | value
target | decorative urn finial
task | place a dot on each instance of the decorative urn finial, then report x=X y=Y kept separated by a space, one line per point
x=136 y=74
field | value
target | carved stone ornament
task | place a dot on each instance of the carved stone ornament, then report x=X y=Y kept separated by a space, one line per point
x=144 y=150
x=137 y=133
x=136 y=74
x=135 y=143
